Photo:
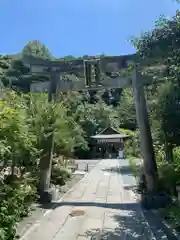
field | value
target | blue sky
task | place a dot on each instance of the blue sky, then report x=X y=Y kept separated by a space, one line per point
x=78 y=27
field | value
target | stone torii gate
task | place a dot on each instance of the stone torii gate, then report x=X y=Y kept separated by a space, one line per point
x=95 y=74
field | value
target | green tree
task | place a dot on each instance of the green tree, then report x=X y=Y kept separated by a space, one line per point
x=126 y=110
x=5 y=62
x=163 y=45
x=68 y=134
x=19 y=143
x=17 y=76
x=94 y=118
x=36 y=49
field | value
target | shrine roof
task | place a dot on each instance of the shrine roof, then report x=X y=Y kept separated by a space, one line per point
x=109 y=136
x=110 y=133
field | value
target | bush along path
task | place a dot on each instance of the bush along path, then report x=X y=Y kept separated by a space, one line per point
x=14 y=206
x=165 y=219
x=19 y=197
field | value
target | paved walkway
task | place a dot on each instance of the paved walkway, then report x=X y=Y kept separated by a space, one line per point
x=98 y=207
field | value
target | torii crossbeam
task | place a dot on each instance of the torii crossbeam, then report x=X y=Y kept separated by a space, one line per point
x=81 y=75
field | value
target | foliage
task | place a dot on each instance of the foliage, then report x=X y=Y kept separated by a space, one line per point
x=134 y=167
x=18 y=150
x=126 y=110
x=18 y=141
x=36 y=49
x=112 y=96
x=172 y=214
x=25 y=122
x=17 y=76
x=166 y=118
x=59 y=175
x=15 y=204
x=45 y=117
x=69 y=134
x=163 y=44
x=168 y=176
x=161 y=47
x=94 y=118
x=5 y=62
x=131 y=145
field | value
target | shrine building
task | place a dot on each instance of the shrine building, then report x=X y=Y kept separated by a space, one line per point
x=109 y=143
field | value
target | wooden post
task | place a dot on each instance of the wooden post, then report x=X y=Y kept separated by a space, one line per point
x=146 y=142
x=46 y=160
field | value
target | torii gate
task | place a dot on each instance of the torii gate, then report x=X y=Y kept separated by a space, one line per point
x=95 y=74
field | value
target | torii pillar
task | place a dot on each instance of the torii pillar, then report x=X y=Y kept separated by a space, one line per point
x=146 y=142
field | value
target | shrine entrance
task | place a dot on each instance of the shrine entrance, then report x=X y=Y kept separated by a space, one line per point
x=109 y=143
x=107 y=72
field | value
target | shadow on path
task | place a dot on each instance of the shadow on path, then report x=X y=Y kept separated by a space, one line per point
x=130 y=226
x=124 y=170
x=133 y=227
x=127 y=206
x=127 y=227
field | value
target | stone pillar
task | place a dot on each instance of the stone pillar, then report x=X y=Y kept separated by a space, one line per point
x=46 y=160
x=145 y=132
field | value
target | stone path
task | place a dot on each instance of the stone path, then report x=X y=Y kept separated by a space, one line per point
x=98 y=207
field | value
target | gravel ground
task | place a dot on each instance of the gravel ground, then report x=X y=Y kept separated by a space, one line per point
x=39 y=210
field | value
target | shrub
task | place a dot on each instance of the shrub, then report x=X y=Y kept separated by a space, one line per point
x=131 y=146
x=59 y=175
x=176 y=156
x=15 y=204
x=169 y=174
x=172 y=214
x=138 y=172
x=134 y=167
x=160 y=156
